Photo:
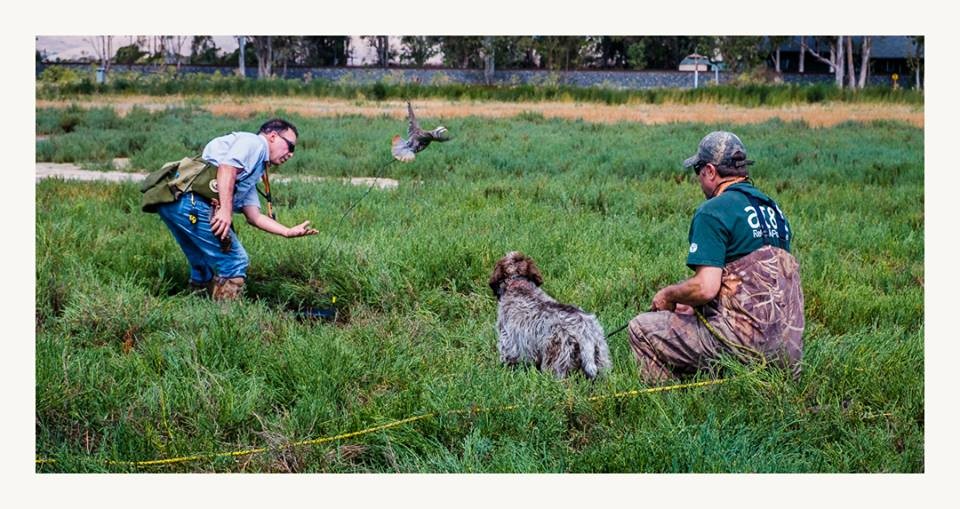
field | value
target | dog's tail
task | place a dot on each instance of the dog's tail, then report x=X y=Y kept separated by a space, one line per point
x=588 y=363
x=594 y=356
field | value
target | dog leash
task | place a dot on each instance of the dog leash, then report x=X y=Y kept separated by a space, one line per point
x=618 y=330
x=349 y=209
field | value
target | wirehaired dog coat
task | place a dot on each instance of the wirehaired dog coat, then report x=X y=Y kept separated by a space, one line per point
x=535 y=328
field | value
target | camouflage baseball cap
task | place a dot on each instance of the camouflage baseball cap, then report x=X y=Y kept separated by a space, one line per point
x=720 y=148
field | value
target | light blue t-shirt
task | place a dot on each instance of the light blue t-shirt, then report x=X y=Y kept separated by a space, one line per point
x=249 y=153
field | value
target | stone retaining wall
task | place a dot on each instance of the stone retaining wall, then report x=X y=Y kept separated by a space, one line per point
x=632 y=80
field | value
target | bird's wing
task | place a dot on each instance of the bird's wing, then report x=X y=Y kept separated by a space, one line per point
x=413 y=125
x=401 y=150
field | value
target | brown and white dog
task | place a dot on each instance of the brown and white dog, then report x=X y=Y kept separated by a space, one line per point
x=535 y=328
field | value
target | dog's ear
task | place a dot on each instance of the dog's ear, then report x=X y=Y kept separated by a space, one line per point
x=496 y=278
x=528 y=269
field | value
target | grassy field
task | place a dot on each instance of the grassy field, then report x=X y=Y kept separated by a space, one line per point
x=130 y=367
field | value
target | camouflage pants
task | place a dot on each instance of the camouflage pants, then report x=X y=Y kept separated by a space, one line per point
x=758 y=313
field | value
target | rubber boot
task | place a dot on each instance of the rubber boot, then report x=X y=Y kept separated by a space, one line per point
x=227 y=289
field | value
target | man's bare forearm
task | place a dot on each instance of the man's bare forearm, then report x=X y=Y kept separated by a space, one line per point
x=266 y=224
x=226 y=179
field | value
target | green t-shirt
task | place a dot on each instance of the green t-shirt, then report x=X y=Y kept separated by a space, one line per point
x=727 y=227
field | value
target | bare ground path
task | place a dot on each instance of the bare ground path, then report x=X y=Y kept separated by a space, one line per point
x=815 y=115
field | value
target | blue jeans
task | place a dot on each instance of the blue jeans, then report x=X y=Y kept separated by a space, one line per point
x=200 y=245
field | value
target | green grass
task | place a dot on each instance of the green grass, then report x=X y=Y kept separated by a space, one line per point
x=57 y=84
x=604 y=209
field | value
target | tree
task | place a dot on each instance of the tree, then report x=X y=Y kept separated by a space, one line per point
x=314 y=51
x=285 y=50
x=836 y=56
x=129 y=54
x=915 y=62
x=775 y=43
x=203 y=50
x=462 y=52
x=513 y=52
x=740 y=53
x=614 y=52
x=176 y=44
x=864 y=60
x=560 y=52
x=610 y=51
x=841 y=58
x=636 y=54
x=263 y=48
x=851 y=73
x=489 y=60
x=381 y=44
x=803 y=53
x=103 y=49
x=241 y=58
x=418 y=49
x=157 y=49
x=657 y=52
x=311 y=51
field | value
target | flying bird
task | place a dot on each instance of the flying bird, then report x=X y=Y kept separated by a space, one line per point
x=404 y=150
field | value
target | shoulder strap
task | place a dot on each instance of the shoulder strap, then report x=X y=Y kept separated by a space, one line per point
x=266 y=191
x=770 y=238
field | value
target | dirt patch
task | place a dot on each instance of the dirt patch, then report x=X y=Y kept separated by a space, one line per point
x=68 y=171
x=120 y=163
x=816 y=115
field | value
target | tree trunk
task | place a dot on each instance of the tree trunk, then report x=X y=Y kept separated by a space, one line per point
x=242 y=41
x=383 y=50
x=776 y=60
x=864 y=61
x=803 y=53
x=103 y=49
x=108 y=45
x=851 y=72
x=838 y=61
x=162 y=51
x=264 y=48
x=488 y=60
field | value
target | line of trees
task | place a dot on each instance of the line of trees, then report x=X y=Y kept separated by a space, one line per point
x=273 y=54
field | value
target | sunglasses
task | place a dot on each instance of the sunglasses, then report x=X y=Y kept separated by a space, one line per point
x=290 y=146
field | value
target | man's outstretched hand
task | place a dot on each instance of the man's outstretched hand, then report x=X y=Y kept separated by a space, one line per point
x=300 y=230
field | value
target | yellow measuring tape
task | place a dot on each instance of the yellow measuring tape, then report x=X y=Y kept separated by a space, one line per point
x=316 y=441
